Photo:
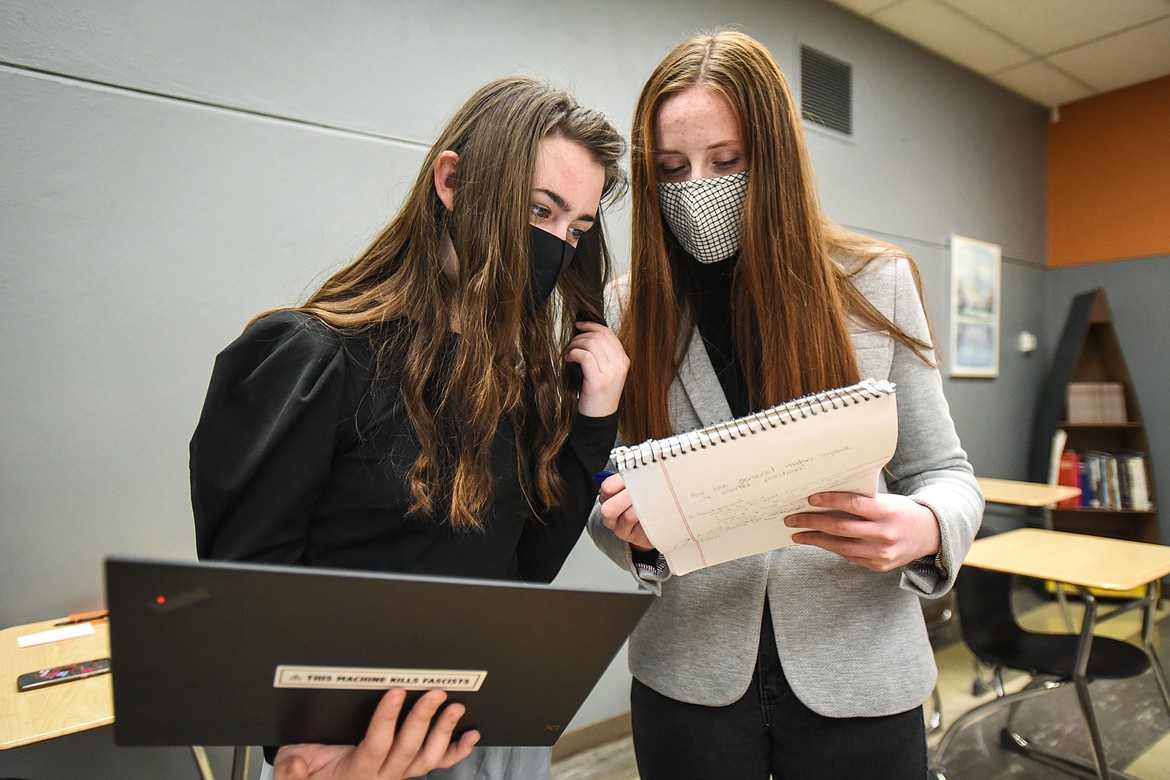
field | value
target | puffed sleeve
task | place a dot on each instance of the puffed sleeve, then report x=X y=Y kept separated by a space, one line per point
x=262 y=450
x=546 y=544
x=619 y=551
x=929 y=465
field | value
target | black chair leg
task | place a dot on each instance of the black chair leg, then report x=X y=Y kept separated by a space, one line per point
x=980 y=685
x=1016 y=743
x=1154 y=593
x=937 y=765
x=1012 y=740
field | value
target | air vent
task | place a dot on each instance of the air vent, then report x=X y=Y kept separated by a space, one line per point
x=826 y=90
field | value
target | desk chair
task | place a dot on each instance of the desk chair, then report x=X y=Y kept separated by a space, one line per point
x=990 y=629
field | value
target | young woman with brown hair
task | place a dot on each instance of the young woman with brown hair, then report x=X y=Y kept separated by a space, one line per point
x=440 y=405
x=812 y=660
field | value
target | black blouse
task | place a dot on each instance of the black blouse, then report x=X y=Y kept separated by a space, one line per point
x=298 y=459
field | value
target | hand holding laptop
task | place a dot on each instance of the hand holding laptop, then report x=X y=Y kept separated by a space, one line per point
x=416 y=749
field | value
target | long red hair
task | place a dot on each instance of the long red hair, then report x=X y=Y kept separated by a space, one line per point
x=790 y=300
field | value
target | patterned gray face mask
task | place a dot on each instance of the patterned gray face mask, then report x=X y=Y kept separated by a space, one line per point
x=705 y=214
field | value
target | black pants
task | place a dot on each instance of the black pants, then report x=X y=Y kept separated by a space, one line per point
x=769 y=732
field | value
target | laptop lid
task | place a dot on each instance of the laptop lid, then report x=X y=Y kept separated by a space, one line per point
x=246 y=654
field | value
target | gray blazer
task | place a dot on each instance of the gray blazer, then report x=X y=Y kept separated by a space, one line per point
x=852 y=641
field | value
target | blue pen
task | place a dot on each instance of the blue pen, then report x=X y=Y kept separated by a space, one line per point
x=601 y=476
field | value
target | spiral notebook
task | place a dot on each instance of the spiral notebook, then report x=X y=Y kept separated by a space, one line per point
x=722 y=492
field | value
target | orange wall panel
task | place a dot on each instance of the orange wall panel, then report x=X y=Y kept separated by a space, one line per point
x=1109 y=176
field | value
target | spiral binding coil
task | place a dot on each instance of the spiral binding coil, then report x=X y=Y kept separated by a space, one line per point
x=729 y=430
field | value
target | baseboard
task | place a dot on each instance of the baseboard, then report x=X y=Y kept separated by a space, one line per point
x=593 y=735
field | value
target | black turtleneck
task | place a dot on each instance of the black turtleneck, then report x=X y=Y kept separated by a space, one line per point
x=711 y=288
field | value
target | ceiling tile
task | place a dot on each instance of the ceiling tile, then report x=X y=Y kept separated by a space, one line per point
x=1043 y=84
x=864 y=7
x=1127 y=58
x=1092 y=46
x=1046 y=26
x=951 y=35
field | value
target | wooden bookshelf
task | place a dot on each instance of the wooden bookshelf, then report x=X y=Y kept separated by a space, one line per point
x=1089 y=351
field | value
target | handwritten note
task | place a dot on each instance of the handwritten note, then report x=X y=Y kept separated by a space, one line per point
x=722 y=493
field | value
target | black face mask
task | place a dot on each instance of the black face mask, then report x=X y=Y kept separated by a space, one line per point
x=548 y=257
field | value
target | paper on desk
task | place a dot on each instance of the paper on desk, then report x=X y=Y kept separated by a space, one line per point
x=55 y=635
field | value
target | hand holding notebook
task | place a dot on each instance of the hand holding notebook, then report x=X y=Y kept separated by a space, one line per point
x=722 y=492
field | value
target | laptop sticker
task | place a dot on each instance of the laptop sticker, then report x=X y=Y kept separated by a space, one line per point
x=364 y=679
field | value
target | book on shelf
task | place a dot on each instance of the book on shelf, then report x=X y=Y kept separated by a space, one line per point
x=1069 y=474
x=1112 y=490
x=1134 y=466
x=1085 y=474
x=1096 y=403
x=1107 y=480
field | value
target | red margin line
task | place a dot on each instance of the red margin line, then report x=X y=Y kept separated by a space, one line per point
x=682 y=515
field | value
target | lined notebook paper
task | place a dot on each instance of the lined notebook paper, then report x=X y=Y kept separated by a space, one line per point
x=722 y=492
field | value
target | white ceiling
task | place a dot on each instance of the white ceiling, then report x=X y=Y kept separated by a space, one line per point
x=1049 y=51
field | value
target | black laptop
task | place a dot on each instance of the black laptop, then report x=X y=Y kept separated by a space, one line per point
x=244 y=654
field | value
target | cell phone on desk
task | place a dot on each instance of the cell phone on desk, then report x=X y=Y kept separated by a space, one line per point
x=59 y=674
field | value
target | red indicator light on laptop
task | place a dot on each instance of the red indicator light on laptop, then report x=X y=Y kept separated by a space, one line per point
x=162 y=603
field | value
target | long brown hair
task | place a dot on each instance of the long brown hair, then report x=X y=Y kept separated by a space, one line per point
x=508 y=361
x=790 y=300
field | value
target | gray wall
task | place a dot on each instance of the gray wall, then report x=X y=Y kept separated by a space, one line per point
x=170 y=169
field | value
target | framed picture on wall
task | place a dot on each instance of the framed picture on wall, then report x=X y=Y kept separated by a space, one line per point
x=975 y=283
